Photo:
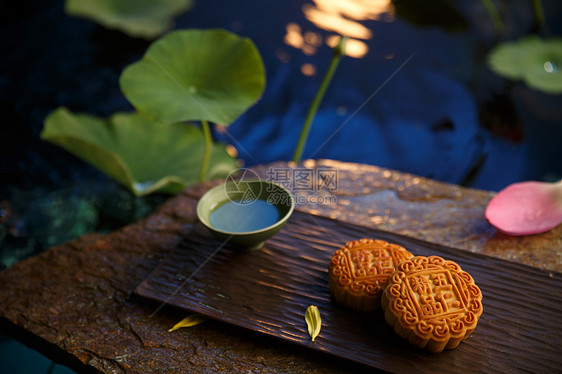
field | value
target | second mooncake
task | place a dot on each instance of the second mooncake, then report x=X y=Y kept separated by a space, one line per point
x=432 y=302
x=359 y=270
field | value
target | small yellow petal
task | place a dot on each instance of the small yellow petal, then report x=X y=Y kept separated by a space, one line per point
x=189 y=321
x=313 y=321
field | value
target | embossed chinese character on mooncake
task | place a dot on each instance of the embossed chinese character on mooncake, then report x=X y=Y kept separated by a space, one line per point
x=359 y=270
x=432 y=302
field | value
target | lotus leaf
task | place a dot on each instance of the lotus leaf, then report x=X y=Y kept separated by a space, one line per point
x=533 y=60
x=137 y=18
x=188 y=75
x=142 y=156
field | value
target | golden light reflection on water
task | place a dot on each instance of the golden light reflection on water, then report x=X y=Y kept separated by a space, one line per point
x=342 y=17
x=232 y=151
x=308 y=69
x=307 y=42
x=354 y=48
x=294 y=37
x=332 y=21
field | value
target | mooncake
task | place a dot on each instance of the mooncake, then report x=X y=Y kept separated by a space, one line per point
x=359 y=270
x=432 y=302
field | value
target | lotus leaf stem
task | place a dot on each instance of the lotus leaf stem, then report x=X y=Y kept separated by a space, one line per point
x=539 y=11
x=494 y=15
x=339 y=52
x=207 y=151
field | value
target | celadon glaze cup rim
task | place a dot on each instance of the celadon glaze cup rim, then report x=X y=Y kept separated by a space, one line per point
x=221 y=194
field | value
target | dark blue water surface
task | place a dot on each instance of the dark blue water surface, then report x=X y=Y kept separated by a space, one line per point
x=420 y=100
x=442 y=115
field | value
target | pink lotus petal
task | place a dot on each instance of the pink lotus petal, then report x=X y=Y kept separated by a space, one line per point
x=526 y=208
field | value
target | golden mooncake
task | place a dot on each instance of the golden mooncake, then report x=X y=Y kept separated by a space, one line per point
x=359 y=270
x=432 y=302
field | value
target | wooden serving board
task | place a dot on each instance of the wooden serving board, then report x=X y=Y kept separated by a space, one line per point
x=269 y=290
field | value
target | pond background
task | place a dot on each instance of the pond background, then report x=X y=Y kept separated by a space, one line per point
x=420 y=100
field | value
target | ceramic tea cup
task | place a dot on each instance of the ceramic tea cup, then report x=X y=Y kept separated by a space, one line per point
x=245 y=213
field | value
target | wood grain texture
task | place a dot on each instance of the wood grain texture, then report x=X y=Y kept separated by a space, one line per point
x=269 y=291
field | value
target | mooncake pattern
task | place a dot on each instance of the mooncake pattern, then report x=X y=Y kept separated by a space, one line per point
x=432 y=302
x=359 y=270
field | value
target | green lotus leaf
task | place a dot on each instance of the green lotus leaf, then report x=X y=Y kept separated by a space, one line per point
x=143 y=156
x=138 y=18
x=533 y=60
x=194 y=75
